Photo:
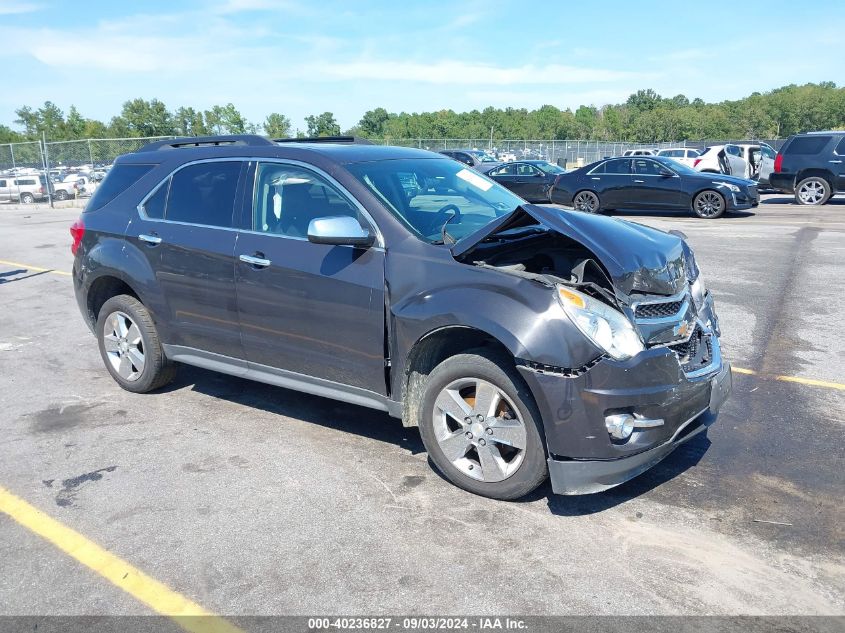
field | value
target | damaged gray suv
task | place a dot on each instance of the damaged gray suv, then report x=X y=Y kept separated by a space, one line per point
x=525 y=342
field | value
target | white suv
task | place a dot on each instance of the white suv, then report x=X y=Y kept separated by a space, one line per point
x=722 y=159
x=684 y=155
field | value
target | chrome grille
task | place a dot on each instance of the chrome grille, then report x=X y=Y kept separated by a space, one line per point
x=658 y=310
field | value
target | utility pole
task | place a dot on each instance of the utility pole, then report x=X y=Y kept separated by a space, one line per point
x=46 y=158
x=491 y=138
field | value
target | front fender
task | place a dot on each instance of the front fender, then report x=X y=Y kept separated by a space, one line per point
x=522 y=314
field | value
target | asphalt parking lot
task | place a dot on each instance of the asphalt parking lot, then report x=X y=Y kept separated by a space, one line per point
x=251 y=499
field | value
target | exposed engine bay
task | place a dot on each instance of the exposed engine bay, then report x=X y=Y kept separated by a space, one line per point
x=684 y=321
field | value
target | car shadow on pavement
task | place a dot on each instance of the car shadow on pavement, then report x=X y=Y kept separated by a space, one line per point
x=326 y=412
x=682 y=459
x=631 y=213
x=4 y=276
x=789 y=201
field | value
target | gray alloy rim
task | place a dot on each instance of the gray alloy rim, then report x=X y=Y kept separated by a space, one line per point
x=479 y=430
x=124 y=346
x=812 y=192
x=708 y=204
x=586 y=201
x=27 y=198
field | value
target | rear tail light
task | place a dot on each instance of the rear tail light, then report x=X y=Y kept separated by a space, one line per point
x=695 y=163
x=77 y=230
x=778 y=163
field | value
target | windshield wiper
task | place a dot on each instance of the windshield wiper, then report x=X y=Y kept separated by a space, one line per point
x=444 y=234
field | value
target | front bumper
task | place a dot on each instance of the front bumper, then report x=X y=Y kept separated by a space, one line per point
x=583 y=457
x=578 y=477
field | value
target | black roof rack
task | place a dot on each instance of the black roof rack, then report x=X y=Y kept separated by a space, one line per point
x=357 y=140
x=201 y=141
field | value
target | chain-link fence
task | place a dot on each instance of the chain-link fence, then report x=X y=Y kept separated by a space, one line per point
x=95 y=154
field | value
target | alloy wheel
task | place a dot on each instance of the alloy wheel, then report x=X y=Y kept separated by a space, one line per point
x=709 y=204
x=812 y=192
x=124 y=346
x=479 y=430
x=586 y=201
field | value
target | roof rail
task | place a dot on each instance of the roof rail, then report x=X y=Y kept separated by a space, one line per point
x=200 y=141
x=357 y=140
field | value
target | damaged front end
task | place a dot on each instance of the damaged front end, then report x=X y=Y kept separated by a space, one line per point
x=658 y=377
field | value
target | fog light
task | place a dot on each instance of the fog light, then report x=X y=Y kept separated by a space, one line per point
x=620 y=425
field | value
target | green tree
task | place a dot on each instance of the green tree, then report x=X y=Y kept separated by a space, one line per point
x=189 y=122
x=373 y=123
x=322 y=125
x=140 y=117
x=277 y=125
x=75 y=124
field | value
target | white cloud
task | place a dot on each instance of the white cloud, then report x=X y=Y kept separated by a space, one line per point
x=464 y=73
x=13 y=7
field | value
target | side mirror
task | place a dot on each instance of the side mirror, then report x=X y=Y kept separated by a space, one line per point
x=339 y=231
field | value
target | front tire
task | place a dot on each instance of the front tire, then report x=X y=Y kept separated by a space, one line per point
x=587 y=201
x=130 y=346
x=813 y=191
x=480 y=426
x=709 y=204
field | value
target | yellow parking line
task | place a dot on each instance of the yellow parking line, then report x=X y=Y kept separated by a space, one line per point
x=827 y=384
x=35 y=268
x=160 y=598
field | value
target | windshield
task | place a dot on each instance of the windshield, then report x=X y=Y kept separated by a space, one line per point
x=549 y=168
x=484 y=158
x=428 y=193
x=679 y=167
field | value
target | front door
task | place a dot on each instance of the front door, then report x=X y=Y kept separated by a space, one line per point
x=185 y=230
x=655 y=186
x=314 y=309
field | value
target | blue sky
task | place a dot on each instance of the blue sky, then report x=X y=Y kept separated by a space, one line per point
x=300 y=57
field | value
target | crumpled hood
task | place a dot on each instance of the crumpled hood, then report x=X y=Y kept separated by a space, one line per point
x=637 y=258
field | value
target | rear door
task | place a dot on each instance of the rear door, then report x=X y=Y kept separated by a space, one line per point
x=313 y=309
x=506 y=176
x=837 y=164
x=185 y=230
x=737 y=163
x=5 y=189
x=612 y=181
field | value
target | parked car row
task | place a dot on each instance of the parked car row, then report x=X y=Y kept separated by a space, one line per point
x=28 y=188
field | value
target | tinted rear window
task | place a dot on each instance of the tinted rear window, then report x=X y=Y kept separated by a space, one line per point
x=118 y=180
x=807 y=145
x=840 y=149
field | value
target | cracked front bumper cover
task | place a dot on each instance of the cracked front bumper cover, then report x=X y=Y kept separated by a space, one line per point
x=584 y=476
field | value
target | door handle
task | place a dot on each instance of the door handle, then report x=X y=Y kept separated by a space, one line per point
x=153 y=240
x=640 y=181
x=258 y=262
x=835 y=162
x=595 y=178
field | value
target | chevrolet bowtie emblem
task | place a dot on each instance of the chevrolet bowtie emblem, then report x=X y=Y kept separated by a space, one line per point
x=682 y=329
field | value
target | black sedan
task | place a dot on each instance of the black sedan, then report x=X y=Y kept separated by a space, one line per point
x=529 y=179
x=654 y=183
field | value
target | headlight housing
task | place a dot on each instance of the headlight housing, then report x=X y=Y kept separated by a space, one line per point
x=727 y=186
x=698 y=292
x=609 y=329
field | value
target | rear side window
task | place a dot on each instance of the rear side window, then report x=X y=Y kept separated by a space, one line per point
x=204 y=193
x=118 y=180
x=25 y=181
x=840 y=149
x=155 y=204
x=805 y=145
x=618 y=166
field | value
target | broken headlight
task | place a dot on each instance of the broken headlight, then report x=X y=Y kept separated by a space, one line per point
x=609 y=329
x=698 y=292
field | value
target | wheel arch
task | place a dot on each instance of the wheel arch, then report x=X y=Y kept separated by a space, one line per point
x=432 y=349
x=816 y=172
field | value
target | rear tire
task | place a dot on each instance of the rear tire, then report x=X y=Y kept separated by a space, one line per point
x=27 y=198
x=587 y=201
x=61 y=194
x=813 y=191
x=709 y=204
x=130 y=347
x=490 y=443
